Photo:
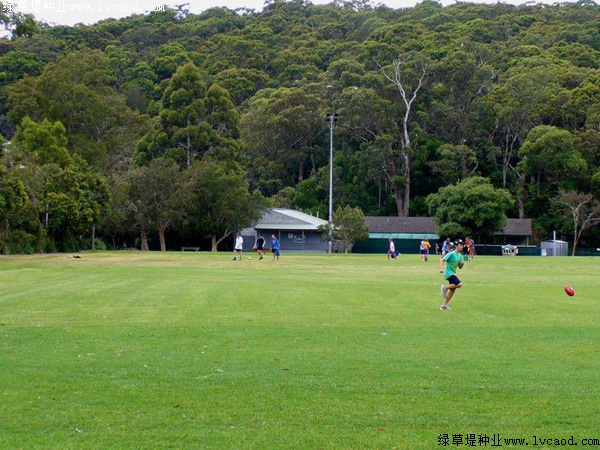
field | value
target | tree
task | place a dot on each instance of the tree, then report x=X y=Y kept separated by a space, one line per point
x=136 y=210
x=528 y=96
x=242 y=84
x=167 y=193
x=472 y=206
x=416 y=77
x=221 y=203
x=65 y=191
x=224 y=121
x=550 y=161
x=369 y=121
x=548 y=153
x=584 y=211
x=170 y=58
x=349 y=226
x=18 y=23
x=456 y=162
x=281 y=129
x=77 y=91
x=17 y=63
x=43 y=143
x=194 y=121
x=139 y=86
x=181 y=124
x=13 y=200
x=464 y=78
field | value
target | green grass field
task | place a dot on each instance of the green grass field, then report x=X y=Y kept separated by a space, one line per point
x=194 y=350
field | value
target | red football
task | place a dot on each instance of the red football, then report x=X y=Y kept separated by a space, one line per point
x=570 y=291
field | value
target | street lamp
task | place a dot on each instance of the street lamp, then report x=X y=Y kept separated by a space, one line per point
x=331 y=119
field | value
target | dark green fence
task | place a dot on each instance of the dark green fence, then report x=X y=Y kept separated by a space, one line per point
x=411 y=247
x=587 y=252
x=404 y=246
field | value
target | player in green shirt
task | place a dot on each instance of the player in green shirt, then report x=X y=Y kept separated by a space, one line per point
x=453 y=260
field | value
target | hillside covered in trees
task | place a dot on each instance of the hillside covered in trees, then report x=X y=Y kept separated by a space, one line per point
x=173 y=128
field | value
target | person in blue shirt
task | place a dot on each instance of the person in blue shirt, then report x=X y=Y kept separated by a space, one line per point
x=446 y=246
x=275 y=247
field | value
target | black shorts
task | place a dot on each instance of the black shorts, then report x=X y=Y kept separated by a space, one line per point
x=454 y=280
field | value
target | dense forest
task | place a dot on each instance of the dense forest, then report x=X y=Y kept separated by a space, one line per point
x=173 y=128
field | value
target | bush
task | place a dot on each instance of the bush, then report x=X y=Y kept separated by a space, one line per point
x=50 y=245
x=19 y=241
x=71 y=244
x=99 y=244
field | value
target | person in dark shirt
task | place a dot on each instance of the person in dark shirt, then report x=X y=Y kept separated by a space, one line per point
x=260 y=246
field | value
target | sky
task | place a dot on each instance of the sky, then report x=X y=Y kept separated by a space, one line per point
x=70 y=12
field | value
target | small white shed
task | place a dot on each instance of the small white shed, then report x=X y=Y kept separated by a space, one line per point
x=554 y=247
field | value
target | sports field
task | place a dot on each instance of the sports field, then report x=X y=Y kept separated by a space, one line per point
x=194 y=350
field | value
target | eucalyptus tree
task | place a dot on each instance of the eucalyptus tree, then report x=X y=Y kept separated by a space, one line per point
x=13 y=201
x=583 y=210
x=68 y=195
x=135 y=211
x=551 y=162
x=455 y=163
x=529 y=95
x=220 y=202
x=77 y=91
x=194 y=121
x=282 y=129
x=170 y=57
x=462 y=78
x=241 y=83
x=407 y=74
x=167 y=193
x=368 y=124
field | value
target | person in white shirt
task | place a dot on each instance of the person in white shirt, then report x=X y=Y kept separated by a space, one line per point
x=239 y=246
x=392 y=250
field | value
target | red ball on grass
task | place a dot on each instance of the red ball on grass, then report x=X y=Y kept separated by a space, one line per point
x=570 y=291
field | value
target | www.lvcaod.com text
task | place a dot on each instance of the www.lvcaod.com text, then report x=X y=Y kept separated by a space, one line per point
x=497 y=440
x=64 y=6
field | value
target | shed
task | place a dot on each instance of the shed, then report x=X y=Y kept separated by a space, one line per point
x=510 y=250
x=554 y=247
x=296 y=231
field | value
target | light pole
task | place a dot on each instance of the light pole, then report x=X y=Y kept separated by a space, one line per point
x=331 y=119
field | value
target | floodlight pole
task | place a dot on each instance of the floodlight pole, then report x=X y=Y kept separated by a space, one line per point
x=331 y=118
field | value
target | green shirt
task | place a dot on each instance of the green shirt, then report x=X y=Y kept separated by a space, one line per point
x=453 y=260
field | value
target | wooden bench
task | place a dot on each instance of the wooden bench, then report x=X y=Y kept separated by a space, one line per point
x=190 y=249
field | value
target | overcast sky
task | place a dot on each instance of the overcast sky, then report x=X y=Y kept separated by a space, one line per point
x=70 y=12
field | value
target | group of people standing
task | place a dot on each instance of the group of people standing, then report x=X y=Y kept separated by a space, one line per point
x=259 y=246
x=447 y=245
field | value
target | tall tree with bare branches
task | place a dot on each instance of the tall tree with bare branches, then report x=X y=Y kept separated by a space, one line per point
x=408 y=80
x=584 y=210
